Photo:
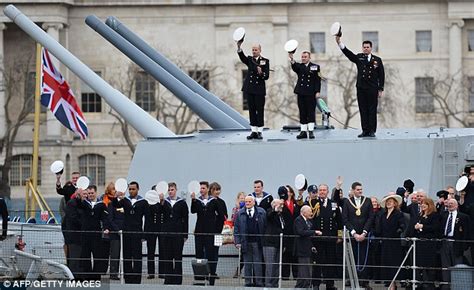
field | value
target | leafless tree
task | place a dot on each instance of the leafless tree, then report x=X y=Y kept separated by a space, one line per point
x=450 y=96
x=18 y=104
x=170 y=111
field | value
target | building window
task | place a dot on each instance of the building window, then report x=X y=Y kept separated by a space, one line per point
x=470 y=39
x=67 y=166
x=93 y=166
x=471 y=94
x=423 y=41
x=245 y=103
x=201 y=77
x=424 y=99
x=91 y=102
x=317 y=41
x=372 y=36
x=20 y=170
x=145 y=86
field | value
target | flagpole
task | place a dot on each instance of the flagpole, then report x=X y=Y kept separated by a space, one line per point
x=34 y=175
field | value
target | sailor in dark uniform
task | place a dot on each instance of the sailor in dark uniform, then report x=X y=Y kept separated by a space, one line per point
x=262 y=198
x=307 y=88
x=4 y=212
x=152 y=229
x=205 y=207
x=175 y=233
x=135 y=208
x=370 y=82
x=328 y=222
x=95 y=224
x=254 y=87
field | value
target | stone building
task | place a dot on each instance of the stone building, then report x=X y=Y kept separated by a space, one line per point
x=427 y=48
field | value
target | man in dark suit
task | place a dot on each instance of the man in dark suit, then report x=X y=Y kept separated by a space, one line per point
x=254 y=87
x=455 y=228
x=307 y=88
x=249 y=226
x=329 y=223
x=370 y=82
x=358 y=217
x=304 y=231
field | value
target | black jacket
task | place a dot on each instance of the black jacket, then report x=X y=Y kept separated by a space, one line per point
x=94 y=219
x=73 y=226
x=304 y=234
x=175 y=218
x=275 y=226
x=461 y=231
x=266 y=201
x=255 y=83
x=67 y=190
x=393 y=227
x=153 y=218
x=309 y=78
x=208 y=215
x=329 y=220
x=370 y=74
x=133 y=213
x=359 y=223
x=117 y=216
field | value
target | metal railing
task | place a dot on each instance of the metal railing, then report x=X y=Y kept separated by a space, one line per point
x=46 y=242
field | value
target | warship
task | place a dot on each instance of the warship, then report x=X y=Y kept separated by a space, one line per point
x=432 y=157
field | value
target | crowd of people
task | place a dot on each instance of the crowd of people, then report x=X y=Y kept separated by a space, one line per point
x=310 y=229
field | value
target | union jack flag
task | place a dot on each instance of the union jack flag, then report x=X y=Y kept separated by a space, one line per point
x=58 y=97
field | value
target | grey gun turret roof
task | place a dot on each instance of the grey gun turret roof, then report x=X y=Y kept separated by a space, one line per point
x=145 y=124
x=203 y=108
x=174 y=70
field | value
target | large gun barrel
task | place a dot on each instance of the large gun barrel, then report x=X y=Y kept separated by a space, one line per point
x=203 y=108
x=174 y=70
x=145 y=124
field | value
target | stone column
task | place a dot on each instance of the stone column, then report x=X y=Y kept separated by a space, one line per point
x=53 y=127
x=455 y=47
x=3 y=126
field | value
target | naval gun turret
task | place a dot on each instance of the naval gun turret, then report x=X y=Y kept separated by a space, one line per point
x=433 y=158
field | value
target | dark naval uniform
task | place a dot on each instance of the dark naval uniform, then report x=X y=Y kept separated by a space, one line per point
x=94 y=219
x=308 y=84
x=175 y=231
x=254 y=88
x=207 y=211
x=134 y=211
x=152 y=228
x=370 y=80
x=265 y=202
x=329 y=222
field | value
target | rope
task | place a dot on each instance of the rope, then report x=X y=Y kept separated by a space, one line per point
x=358 y=267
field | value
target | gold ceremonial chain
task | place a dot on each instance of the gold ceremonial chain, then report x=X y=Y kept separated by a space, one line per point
x=358 y=212
x=315 y=208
